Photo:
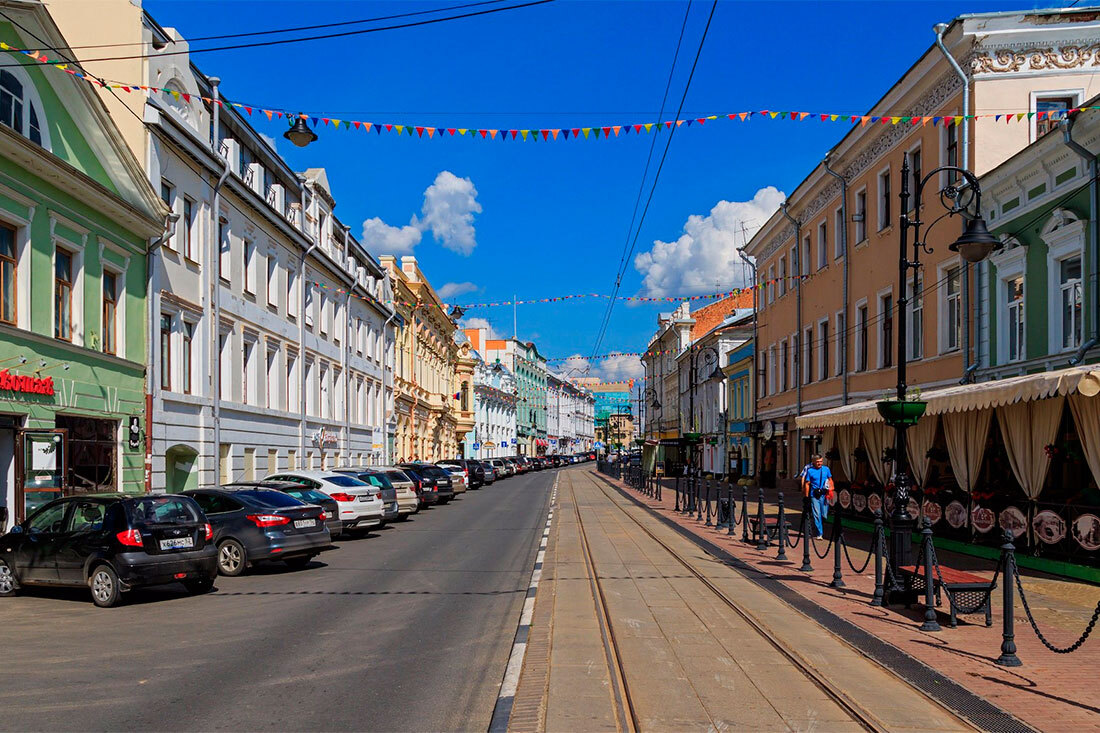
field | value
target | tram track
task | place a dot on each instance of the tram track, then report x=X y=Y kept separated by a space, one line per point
x=858 y=713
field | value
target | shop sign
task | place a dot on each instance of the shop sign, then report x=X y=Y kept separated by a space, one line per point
x=325 y=438
x=21 y=383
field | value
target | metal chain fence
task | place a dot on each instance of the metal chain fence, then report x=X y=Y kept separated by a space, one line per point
x=1035 y=627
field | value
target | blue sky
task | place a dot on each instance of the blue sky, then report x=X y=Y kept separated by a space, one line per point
x=554 y=217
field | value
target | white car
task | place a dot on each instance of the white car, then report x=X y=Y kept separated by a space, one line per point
x=361 y=505
x=407 y=500
x=459 y=480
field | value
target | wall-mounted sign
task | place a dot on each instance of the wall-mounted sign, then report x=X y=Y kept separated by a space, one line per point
x=25 y=384
x=134 y=432
x=325 y=438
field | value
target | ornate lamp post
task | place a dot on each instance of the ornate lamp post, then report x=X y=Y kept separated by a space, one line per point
x=709 y=356
x=974 y=245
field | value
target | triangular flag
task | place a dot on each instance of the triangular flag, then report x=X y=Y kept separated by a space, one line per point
x=607 y=132
x=996 y=118
x=555 y=133
x=1019 y=116
x=268 y=113
x=523 y=134
x=803 y=115
x=545 y=134
x=409 y=130
x=616 y=128
x=451 y=131
x=389 y=128
x=825 y=117
x=648 y=127
x=687 y=121
x=863 y=121
x=586 y=130
x=744 y=115
x=493 y=134
x=773 y=114
x=400 y=128
x=565 y=134
x=336 y=124
x=431 y=131
x=637 y=129
x=958 y=120
x=483 y=133
x=514 y=133
x=895 y=120
x=356 y=123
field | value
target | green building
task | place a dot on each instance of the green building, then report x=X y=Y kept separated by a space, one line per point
x=76 y=219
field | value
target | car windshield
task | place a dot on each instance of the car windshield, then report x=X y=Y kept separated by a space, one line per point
x=376 y=479
x=307 y=495
x=266 y=499
x=397 y=476
x=343 y=481
x=164 y=510
x=435 y=471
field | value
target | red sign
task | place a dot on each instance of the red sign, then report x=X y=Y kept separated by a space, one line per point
x=20 y=383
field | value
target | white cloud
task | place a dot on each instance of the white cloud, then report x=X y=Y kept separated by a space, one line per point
x=380 y=237
x=449 y=290
x=704 y=258
x=614 y=369
x=270 y=141
x=448 y=211
x=481 y=323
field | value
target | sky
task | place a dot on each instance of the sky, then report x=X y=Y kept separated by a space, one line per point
x=489 y=221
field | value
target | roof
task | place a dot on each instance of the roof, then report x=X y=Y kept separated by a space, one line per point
x=708 y=317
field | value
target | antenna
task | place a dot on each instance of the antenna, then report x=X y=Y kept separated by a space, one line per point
x=515 y=319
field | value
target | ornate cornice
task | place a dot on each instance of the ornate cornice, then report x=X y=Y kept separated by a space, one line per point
x=1022 y=58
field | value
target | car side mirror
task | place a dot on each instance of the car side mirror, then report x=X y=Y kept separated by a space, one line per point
x=17 y=529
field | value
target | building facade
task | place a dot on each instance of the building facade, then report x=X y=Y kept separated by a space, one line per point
x=827 y=336
x=663 y=420
x=570 y=415
x=529 y=368
x=494 y=433
x=739 y=369
x=76 y=219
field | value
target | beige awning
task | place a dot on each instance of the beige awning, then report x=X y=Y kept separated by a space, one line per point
x=1079 y=380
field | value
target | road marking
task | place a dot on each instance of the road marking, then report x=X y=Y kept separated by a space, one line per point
x=502 y=712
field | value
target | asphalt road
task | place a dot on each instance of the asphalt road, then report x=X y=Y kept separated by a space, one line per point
x=408 y=628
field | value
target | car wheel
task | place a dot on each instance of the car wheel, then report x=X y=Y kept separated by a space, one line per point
x=402 y=517
x=298 y=562
x=231 y=558
x=8 y=585
x=198 y=586
x=103 y=583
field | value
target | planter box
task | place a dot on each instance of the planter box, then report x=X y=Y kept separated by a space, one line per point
x=899 y=413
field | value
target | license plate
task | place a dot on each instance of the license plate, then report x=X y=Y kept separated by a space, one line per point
x=177 y=543
x=300 y=523
x=366 y=498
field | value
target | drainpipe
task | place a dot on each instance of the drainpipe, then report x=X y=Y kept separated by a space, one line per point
x=345 y=354
x=843 y=235
x=964 y=162
x=798 y=318
x=755 y=350
x=303 y=288
x=152 y=381
x=1094 y=236
x=393 y=385
x=212 y=263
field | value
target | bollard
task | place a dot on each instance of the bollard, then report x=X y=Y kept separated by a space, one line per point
x=733 y=512
x=745 y=514
x=876 y=541
x=1008 y=656
x=676 y=490
x=838 y=538
x=699 y=500
x=806 y=519
x=658 y=485
x=930 y=622
x=761 y=523
x=706 y=483
x=781 y=525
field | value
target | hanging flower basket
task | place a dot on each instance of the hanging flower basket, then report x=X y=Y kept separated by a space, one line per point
x=639 y=441
x=898 y=413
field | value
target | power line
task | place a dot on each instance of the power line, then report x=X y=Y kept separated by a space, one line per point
x=660 y=167
x=343 y=34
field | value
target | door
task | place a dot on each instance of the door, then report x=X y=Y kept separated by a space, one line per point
x=83 y=535
x=35 y=559
x=40 y=470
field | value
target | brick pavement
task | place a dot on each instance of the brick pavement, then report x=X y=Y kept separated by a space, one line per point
x=1050 y=691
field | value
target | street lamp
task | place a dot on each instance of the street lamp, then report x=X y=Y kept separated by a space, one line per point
x=973 y=245
x=299 y=133
x=710 y=356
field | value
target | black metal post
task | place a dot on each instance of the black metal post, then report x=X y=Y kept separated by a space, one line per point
x=781 y=530
x=876 y=541
x=733 y=512
x=806 y=519
x=699 y=500
x=1008 y=656
x=676 y=489
x=761 y=523
x=930 y=622
x=838 y=540
x=745 y=514
x=706 y=498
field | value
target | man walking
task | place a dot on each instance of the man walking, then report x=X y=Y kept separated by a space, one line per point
x=817 y=483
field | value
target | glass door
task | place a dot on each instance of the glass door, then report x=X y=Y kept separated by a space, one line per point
x=40 y=470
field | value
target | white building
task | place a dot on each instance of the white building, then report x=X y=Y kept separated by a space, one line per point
x=570 y=416
x=295 y=374
x=494 y=432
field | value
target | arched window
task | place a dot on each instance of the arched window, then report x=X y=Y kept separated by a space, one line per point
x=20 y=108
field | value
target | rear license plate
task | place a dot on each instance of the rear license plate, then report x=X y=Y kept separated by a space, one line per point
x=366 y=498
x=177 y=543
x=301 y=523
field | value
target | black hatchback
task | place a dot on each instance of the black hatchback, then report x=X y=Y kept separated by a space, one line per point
x=254 y=525
x=111 y=543
x=304 y=494
x=435 y=482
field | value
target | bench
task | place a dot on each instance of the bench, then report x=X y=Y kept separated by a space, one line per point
x=962 y=588
x=771 y=526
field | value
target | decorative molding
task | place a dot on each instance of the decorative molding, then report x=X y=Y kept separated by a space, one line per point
x=1038 y=58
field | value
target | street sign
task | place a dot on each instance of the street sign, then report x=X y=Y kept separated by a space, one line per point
x=134 y=440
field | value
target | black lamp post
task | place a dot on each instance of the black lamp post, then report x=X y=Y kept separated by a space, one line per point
x=974 y=245
x=710 y=356
x=299 y=132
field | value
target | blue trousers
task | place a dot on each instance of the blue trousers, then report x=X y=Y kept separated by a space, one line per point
x=820 y=506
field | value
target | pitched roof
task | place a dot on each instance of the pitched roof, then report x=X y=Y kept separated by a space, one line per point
x=708 y=317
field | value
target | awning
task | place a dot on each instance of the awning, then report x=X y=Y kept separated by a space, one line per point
x=961 y=398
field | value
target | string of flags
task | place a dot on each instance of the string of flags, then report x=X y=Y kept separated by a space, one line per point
x=547 y=134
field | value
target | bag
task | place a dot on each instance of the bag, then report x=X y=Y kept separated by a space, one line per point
x=830 y=495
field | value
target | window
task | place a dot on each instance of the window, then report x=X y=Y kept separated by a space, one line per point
x=822 y=245
x=1069 y=279
x=325 y=308
x=168 y=194
x=63 y=295
x=272 y=280
x=1014 y=310
x=861 y=338
x=17 y=112
x=291 y=299
x=886 y=331
x=188 y=228
x=1055 y=108
x=915 y=318
x=8 y=265
x=307 y=309
x=838 y=232
x=250 y=267
x=326 y=405
x=248 y=365
x=110 y=306
x=808 y=356
x=951 y=150
x=782 y=277
x=860 y=217
x=186 y=356
x=359 y=336
x=291 y=384
x=224 y=262
x=771 y=284
x=796 y=365
x=823 y=339
x=166 y=352
x=841 y=343
x=769 y=371
x=224 y=360
x=915 y=172
x=884 y=199
x=272 y=376
x=783 y=366
x=806 y=261
x=952 y=326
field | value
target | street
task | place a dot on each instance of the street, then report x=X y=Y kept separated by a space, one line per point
x=406 y=629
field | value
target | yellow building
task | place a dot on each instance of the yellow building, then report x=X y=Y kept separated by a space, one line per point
x=433 y=374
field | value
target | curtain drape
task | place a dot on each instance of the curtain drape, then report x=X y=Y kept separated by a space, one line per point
x=1086 y=414
x=828 y=441
x=918 y=439
x=966 y=434
x=875 y=437
x=1027 y=428
x=847 y=441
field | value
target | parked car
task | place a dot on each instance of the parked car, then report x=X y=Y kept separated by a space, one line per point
x=254 y=525
x=474 y=471
x=377 y=478
x=490 y=473
x=502 y=467
x=303 y=494
x=433 y=477
x=408 y=499
x=517 y=464
x=361 y=506
x=110 y=543
x=459 y=482
x=427 y=493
